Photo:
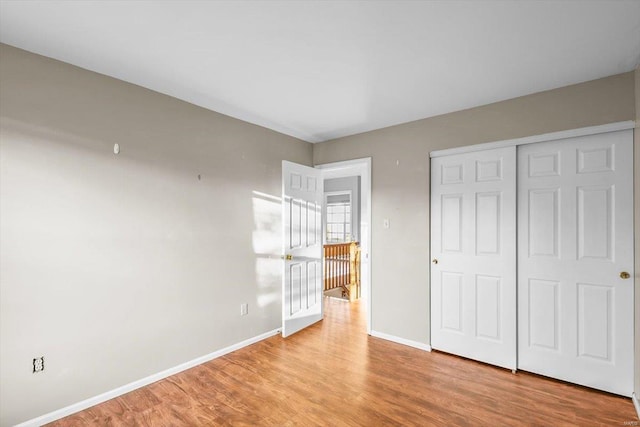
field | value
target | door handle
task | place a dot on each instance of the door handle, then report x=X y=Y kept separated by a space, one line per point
x=624 y=275
x=435 y=261
x=287 y=257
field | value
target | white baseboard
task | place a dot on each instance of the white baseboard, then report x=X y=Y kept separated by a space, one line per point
x=410 y=343
x=634 y=397
x=92 y=401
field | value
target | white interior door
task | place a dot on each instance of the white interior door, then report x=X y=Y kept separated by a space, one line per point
x=473 y=246
x=575 y=220
x=302 y=189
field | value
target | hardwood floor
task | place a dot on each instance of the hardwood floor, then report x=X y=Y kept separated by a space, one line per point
x=333 y=374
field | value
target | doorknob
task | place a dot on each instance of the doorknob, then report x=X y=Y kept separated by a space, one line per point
x=287 y=257
x=624 y=275
x=435 y=261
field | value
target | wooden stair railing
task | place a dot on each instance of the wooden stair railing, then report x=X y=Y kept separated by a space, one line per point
x=342 y=268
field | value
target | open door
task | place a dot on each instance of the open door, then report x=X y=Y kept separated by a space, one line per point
x=302 y=192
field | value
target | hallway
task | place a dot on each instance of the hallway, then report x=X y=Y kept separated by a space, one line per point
x=334 y=374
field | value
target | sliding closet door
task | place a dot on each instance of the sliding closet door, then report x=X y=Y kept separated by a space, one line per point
x=575 y=260
x=473 y=246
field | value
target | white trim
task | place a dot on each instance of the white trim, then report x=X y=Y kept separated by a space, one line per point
x=360 y=167
x=403 y=341
x=591 y=130
x=344 y=164
x=634 y=398
x=92 y=401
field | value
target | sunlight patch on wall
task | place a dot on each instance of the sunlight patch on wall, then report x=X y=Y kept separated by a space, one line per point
x=267 y=245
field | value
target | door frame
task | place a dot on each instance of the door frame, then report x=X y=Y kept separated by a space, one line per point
x=552 y=136
x=362 y=168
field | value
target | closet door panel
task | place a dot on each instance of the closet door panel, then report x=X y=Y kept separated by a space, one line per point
x=473 y=274
x=575 y=239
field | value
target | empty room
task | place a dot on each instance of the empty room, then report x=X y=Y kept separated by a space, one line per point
x=319 y=213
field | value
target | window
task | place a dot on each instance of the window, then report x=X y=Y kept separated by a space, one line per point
x=339 y=218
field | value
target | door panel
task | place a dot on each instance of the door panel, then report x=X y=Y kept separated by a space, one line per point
x=451 y=223
x=488 y=307
x=488 y=223
x=543 y=314
x=302 y=278
x=543 y=222
x=594 y=321
x=595 y=227
x=295 y=288
x=451 y=302
x=473 y=283
x=575 y=312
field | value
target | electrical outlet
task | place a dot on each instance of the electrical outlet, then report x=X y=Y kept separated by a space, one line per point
x=38 y=364
x=244 y=309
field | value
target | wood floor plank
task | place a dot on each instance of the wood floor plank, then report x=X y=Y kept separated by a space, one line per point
x=334 y=374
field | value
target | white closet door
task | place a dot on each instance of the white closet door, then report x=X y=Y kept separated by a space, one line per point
x=575 y=240
x=473 y=246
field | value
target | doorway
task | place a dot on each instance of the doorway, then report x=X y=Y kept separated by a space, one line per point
x=361 y=170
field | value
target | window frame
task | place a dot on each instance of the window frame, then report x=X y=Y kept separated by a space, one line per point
x=326 y=216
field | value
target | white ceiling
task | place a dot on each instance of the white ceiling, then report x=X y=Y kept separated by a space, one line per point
x=318 y=70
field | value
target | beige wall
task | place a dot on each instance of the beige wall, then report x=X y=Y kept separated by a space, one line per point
x=117 y=267
x=400 y=181
x=636 y=198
